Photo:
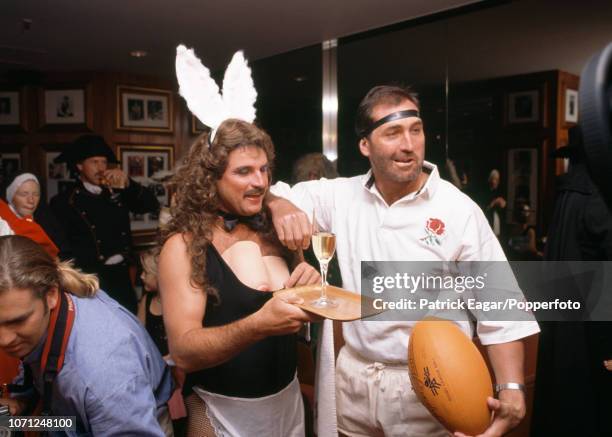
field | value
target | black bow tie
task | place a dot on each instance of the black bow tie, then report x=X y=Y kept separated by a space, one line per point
x=256 y=222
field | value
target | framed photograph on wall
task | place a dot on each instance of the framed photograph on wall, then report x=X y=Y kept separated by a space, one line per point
x=65 y=106
x=197 y=127
x=141 y=163
x=571 y=106
x=522 y=183
x=524 y=107
x=144 y=109
x=10 y=164
x=57 y=175
x=10 y=108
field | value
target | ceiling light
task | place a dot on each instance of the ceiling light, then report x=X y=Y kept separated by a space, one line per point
x=138 y=53
x=300 y=78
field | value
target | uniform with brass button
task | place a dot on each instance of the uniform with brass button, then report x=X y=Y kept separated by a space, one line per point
x=96 y=216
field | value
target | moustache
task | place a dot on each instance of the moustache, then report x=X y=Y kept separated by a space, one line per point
x=255 y=192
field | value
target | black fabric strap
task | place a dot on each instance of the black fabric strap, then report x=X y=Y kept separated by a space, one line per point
x=391 y=117
x=26 y=390
x=51 y=369
x=28 y=381
x=60 y=334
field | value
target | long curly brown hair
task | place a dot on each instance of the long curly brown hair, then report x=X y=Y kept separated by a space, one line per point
x=196 y=202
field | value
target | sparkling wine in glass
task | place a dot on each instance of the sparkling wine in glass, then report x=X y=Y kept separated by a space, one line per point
x=323 y=246
x=105 y=183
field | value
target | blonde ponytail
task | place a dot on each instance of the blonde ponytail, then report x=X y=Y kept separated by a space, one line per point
x=76 y=282
x=25 y=265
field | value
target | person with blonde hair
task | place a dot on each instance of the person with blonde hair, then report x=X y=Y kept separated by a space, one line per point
x=149 y=307
x=150 y=315
x=105 y=371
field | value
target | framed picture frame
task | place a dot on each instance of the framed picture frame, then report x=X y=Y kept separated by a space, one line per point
x=522 y=182
x=144 y=109
x=197 y=127
x=12 y=110
x=57 y=175
x=523 y=107
x=10 y=105
x=571 y=106
x=64 y=107
x=10 y=164
x=141 y=163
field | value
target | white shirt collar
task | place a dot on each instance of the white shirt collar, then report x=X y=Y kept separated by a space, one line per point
x=93 y=189
x=428 y=189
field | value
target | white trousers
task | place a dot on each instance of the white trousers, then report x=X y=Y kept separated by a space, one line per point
x=376 y=399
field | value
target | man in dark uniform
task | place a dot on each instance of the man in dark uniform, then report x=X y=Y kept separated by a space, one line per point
x=573 y=394
x=95 y=215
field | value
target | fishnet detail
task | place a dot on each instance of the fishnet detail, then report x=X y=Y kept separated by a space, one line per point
x=198 y=423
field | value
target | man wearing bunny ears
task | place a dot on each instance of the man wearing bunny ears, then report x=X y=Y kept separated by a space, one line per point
x=219 y=263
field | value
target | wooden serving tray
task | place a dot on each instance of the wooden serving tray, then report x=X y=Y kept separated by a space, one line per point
x=349 y=303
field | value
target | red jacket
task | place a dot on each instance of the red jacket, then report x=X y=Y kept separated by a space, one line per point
x=27 y=227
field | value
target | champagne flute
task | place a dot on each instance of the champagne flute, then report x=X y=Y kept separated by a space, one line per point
x=104 y=182
x=323 y=246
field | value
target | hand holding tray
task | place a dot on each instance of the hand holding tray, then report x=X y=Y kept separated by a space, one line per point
x=349 y=304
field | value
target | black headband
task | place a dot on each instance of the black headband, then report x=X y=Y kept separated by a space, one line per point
x=391 y=117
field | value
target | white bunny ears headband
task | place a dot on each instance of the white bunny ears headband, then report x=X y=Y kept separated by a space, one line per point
x=202 y=95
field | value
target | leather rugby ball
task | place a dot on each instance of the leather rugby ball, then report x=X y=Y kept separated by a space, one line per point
x=449 y=376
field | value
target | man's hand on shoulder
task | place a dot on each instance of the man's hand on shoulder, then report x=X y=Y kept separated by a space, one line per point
x=291 y=223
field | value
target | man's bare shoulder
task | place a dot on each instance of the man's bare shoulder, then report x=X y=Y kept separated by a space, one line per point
x=175 y=244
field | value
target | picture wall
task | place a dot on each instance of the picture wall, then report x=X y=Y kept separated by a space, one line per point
x=141 y=118
x=36 y=121
x=147 y=165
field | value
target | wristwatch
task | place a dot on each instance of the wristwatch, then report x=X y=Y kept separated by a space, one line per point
x=509 y=386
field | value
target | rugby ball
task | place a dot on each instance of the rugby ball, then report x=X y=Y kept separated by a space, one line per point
x=449 y=376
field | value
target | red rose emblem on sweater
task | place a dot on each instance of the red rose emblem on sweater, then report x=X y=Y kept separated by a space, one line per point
x=436 y=226
x=434 y=231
